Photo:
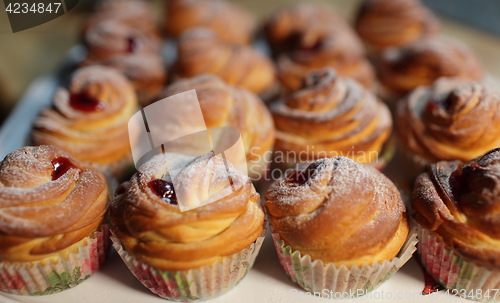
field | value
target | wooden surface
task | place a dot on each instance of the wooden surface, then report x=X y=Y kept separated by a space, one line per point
x=34 y=52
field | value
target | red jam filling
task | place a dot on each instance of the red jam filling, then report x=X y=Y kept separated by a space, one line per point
x=131 y=45
x=85 y=103
x=60 y=166
x=164 y=190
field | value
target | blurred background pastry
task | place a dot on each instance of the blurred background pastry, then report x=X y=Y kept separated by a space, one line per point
x=226 y=19
x=90 y=119
x=305 y=37
x=401 y=70
x=201 y=51
x=223 y=105
x=123 y=34
x=383 y=24
x=330 y=116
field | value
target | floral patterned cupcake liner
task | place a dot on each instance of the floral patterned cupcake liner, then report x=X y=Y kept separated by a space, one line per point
x=465 y=278
x=340 y=282
x=194 y=284
x=50 y=276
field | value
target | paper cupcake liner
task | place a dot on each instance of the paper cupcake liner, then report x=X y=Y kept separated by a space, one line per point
x=450 y=269
x=342 y=282
x=194 y=284
x=49 y=276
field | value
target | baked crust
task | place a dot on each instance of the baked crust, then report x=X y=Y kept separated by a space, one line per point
x=331 y=116
x=394 y=23
x=460 y=203
x=40 y=216
x=401 y=70
x=229 y=21
x=202 y=52
x=98 y=136
x=339 y=211
x=305 y=37
x=226 y=106
x=160 y=234
x=451 y=120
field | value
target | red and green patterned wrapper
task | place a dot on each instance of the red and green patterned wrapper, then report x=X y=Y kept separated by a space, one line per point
x=466 y=278
x=197 y=284
x=340 y=282
x=53 y=275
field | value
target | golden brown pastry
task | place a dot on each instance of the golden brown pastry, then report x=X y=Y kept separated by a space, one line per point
x=450 y=120
x=331 y=116
x=49 y=203
x=299 y=23
x=306 y=37
x=227 y=20
x=202 y=52
x=90 y=119
x=394 y=23
x=338 y=211
x=109 y=38
x=146 y=218
x=135 y=13
x=145 y=71
x=135 y=53
x=403 y=69
x=223 y=105
x=459 y=202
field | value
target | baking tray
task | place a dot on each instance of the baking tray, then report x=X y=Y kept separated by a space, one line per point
x=266 y=281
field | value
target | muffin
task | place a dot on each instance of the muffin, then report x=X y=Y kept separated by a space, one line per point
x=123 y=35
x=196 y=254
x=338 y=226
x=227 y=20
x=137 y=14
x=451 y=120
x=226 y=106
x=383 y=24
x=201 y=51
x=51 y=233
x=90 y=119
x=287 y=26
x=331 y=116
x=455 y=204
x=401 y=70
x=306 y=37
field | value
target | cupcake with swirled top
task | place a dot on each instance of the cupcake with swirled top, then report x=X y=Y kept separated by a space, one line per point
x=456 y=204
x=136 y=13
x=90 y=119
x=331 y=116
x=122 y=34
x=451 y=120
x=226 y=19
x=51 y=211
x=226 y=106
x=400 y=70
x=338 y=226
x=382 y=24
x=305 y=37
x=201 y=51
x=194 y=254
